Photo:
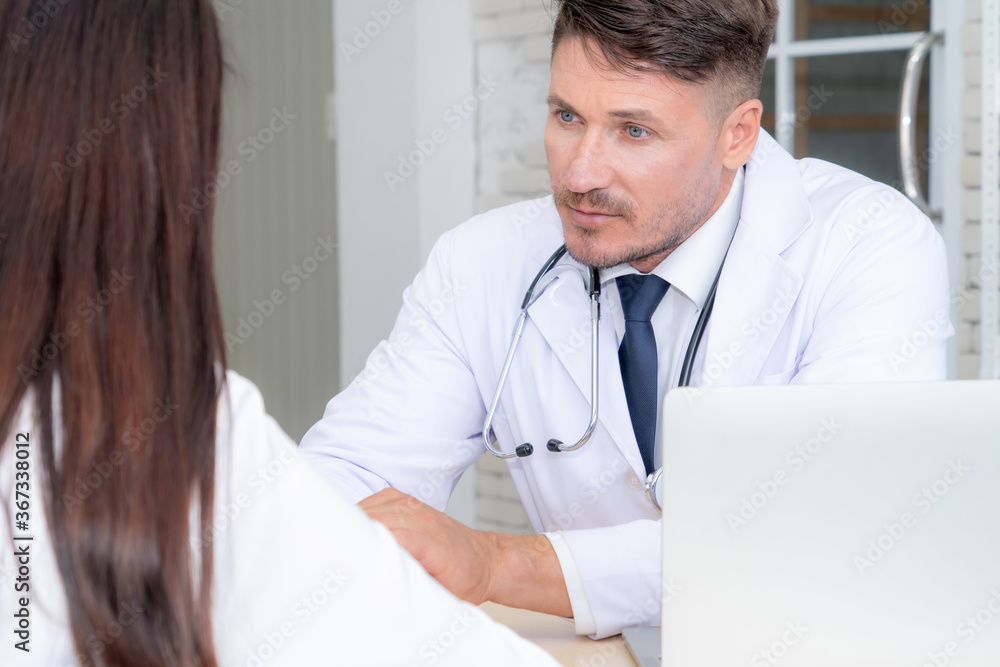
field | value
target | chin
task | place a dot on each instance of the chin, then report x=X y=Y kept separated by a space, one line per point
x=589 y=250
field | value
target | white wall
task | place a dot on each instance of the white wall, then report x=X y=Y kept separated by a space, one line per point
x=970 y=294
x=277 y=205
x=400 y=66
x=397 y=74
x=947 y=66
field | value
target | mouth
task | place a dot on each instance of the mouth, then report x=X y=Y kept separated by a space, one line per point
x=586 y=218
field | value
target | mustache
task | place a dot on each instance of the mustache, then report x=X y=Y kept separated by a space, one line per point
x=598 y=201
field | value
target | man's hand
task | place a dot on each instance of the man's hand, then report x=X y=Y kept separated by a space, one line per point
x=463 y=560
x=477 y=566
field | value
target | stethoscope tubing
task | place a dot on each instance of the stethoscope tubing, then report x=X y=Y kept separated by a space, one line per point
x=525 y=449
x=554 y=445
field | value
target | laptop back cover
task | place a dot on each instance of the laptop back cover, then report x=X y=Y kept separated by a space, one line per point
x=833 y=525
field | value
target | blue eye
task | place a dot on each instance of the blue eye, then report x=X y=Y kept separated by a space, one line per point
x=637 y=132
x=566 y=116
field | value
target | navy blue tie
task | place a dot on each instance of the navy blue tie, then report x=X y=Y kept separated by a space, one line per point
x=640 y=295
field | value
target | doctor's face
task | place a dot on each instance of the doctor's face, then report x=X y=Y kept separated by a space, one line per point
x=633 y=159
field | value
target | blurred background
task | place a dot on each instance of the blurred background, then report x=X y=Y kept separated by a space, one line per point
x=360 y=130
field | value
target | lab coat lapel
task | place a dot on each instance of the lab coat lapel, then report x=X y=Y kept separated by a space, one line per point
x=562 y=316
x=757 y=287
x=749 y=313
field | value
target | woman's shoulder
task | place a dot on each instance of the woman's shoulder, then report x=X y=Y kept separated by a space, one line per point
x=243 y=425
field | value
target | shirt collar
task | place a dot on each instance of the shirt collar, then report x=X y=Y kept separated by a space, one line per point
x=692 y=267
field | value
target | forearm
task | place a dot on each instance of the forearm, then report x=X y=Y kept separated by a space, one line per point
x=527 y=575
x=521 y=571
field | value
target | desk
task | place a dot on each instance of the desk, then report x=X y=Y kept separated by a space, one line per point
x=556 y=635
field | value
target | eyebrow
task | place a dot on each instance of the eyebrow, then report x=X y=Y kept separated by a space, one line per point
x=638 y=115
x=556 y=101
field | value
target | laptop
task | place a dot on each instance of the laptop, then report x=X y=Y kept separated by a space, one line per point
x=832 y=525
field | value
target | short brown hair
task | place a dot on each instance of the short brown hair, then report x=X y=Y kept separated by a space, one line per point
x=693 y=40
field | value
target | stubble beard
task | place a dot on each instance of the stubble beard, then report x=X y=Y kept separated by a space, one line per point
x=674 y=223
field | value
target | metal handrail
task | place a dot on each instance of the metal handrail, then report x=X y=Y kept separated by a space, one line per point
x=909 y=99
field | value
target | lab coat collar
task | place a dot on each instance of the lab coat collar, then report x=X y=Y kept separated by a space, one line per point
x=775 y=205
x=758 y=287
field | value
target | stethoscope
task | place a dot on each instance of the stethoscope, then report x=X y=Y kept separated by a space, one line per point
x=594 y=291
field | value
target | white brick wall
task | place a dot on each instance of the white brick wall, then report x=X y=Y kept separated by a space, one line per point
x=969 y=326
x=512 y=43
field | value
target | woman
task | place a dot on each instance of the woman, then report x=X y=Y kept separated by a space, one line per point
x=156 y=514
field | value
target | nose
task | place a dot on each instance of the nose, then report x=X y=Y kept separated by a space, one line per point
x=590 y=169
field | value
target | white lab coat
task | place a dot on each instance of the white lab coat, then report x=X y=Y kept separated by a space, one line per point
x=831 y=278
x=301 y=578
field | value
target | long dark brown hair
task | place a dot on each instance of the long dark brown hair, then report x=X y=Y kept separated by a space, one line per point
x=109 y=318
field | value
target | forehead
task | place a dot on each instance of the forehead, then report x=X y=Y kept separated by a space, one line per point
x=582 y=75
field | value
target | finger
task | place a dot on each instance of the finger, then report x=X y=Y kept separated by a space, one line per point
x=391 y=515
x=384 y=497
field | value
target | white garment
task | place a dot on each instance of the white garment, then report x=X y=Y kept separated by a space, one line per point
x=831 y=277
x=690 y=270
x=301 y=576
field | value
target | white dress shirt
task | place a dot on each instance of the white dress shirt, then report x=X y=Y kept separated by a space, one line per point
x=690 y=270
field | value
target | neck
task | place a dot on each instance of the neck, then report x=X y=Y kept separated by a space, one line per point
x=647 y=264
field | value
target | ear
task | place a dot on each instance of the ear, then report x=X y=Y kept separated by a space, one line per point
x=739 y=134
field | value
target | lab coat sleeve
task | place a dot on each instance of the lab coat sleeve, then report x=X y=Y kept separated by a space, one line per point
x=884 y=315
x=620 y=567
x=412 y=418
x=583 y=615
x=311 y=580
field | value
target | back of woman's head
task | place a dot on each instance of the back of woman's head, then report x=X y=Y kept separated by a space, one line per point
x=109 y=121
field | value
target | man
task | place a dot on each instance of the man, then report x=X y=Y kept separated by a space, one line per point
x=659 y=168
